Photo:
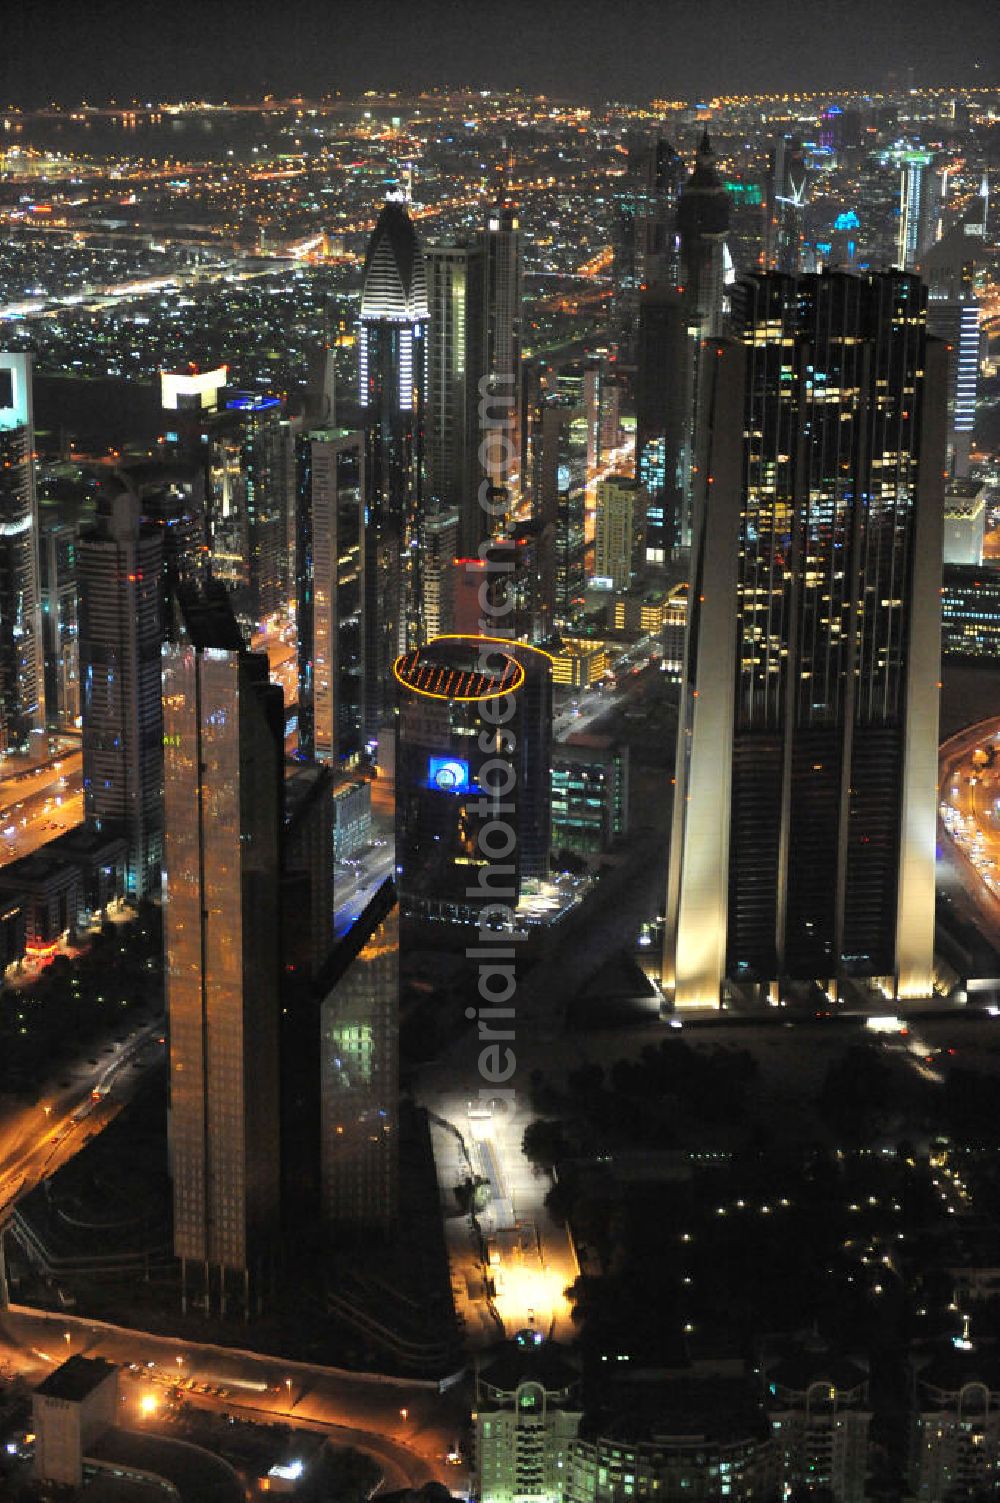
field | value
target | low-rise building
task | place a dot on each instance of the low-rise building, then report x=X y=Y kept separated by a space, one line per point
x=71 y=1409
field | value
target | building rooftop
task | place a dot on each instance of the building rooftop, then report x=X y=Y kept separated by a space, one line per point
x=76 y=1378
x=518 y=1362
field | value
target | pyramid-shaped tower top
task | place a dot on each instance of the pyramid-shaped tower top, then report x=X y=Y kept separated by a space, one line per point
x=394 y=285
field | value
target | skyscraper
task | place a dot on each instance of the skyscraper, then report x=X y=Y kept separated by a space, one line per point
x=22 y=672
x=223 y=806
x=443 y=742
x=645 y=235
x=439 y=549
x=250 y=504
x=559 y=496
x=392 y=382
x=504 y=293
x=664 y=397
x=119 y=577
x=804 y=807
x=949 y=268
x=919 y=205
x=621 y=520
x=702 y=223
x=787 y=200
x=60 y=622
x=456 y=364
x=359 y=1072
x=330 y=594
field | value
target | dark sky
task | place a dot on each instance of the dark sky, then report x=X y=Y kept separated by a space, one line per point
x=629 y=49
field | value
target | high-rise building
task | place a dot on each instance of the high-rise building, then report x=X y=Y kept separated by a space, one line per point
x=251 y=496
x=448 y=690
x=965 y=521
x=919 y=206
x=559 y=495
x=456 y=365
x=589 y=794
x=223 y=808
x=502 y=330
x=702 y=225
x=307 y=868
x=527 y=1412
x=22 y=667
x=330 y=593
x=119 y=576
x=60 y=622
x=949 y=268
x=359 y=1072
x=172 y=500
x=787 y=200
x=664 y=396
x=439 y=548
x=804 y=808
x=392 y=381
x=620 y=530
x=645 y=235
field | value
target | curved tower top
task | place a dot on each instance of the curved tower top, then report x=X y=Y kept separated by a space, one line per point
x=394 y=284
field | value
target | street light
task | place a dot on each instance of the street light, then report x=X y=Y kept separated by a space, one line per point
x=404 y=1414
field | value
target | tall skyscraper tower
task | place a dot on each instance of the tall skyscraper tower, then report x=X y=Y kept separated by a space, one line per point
x=456 y=365
x=223 y=806
x=392 y=380
x=702 y=223
x=504 y=294
x=804 y=808
x=119 y=577
x=22 y=668
x=664 y=401
x=787 y=200
x=331 y=598
x=949 y=269
x=919 y=202
x=645 y=236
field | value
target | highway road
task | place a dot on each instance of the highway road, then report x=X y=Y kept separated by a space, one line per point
x=38 y=801
x=36 y=1140
x=407 y=1427
x=969 y=819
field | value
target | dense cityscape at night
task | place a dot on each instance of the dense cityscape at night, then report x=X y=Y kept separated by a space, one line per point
x=500 y=756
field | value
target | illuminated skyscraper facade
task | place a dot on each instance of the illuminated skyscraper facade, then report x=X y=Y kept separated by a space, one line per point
x=359 y=1072
x=503 y=289
x=330 y=594
x=392 y=382
x=667 y=353
x=645 y=233
x=223 y=809
x=456 y=365
x=620 y=530
x=804 y=811
x=22 y=671
x=119 y=563
x=702 y=225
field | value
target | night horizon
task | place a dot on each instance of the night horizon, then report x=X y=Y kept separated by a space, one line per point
x=500 y=753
